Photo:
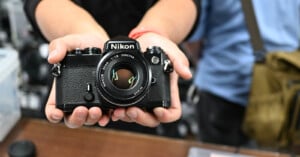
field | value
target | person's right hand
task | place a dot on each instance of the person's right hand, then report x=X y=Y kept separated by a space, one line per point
x=181 y=68
x=81 y=115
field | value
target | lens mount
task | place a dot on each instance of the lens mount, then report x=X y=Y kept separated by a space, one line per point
x=123 y=78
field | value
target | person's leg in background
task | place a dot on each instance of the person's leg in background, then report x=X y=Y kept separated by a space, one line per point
x=220 y=121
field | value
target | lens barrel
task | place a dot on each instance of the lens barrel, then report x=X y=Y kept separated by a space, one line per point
x=123 y=77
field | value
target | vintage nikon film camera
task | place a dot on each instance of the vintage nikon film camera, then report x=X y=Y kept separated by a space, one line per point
x=121 y=76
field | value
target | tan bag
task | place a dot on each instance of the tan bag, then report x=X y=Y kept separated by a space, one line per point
x=272 y=114
x=273 y=109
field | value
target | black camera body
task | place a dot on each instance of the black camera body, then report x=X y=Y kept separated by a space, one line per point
x=121 y=76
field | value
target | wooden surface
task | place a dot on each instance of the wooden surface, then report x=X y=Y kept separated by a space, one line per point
x=56 y=140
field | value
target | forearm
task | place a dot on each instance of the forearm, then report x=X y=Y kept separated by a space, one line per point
x=57 y=18
x=172 y=18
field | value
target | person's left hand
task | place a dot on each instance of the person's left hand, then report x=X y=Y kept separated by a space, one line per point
x=81 y=115
x=160 y=114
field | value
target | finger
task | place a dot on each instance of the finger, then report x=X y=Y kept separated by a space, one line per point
x=104 y=120
x=57 y=51
x=174 y=112
x=77 y=118
x=177 y=57
x=161 y=114
x=179 y=61
x=94 y=115
x=120 y=114
x=59 y=47
x=141 y=117
x=53 y=114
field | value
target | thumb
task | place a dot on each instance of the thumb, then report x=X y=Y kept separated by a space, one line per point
x=58 y=50
x=59 y=47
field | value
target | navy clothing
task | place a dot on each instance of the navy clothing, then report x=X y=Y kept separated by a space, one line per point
x=117 y=17
x=220 y=120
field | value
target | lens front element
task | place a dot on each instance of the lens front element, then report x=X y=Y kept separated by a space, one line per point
x=123 y=77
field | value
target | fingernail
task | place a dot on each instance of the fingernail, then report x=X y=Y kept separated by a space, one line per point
x=185 y=67
x=159 y=113
x=52 y=54
x=56 y=117
x=102 y=122
x=114 y=119
x=187 y=70
x=121 y=115
x=81 y=117
x=132 y=115
x=93 y=116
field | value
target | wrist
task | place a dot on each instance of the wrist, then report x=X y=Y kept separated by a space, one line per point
x=139 y=31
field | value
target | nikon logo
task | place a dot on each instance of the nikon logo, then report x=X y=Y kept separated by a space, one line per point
x=116 y=46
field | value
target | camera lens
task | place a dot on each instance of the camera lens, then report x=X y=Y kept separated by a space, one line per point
x=123 y=77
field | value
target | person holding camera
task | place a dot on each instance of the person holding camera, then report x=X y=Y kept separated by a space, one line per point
x=79 y=24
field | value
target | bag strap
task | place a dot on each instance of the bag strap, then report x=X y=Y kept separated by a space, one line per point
x=255 y=38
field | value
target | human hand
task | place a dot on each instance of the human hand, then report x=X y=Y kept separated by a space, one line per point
x=181 y=67
x=81 y=115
